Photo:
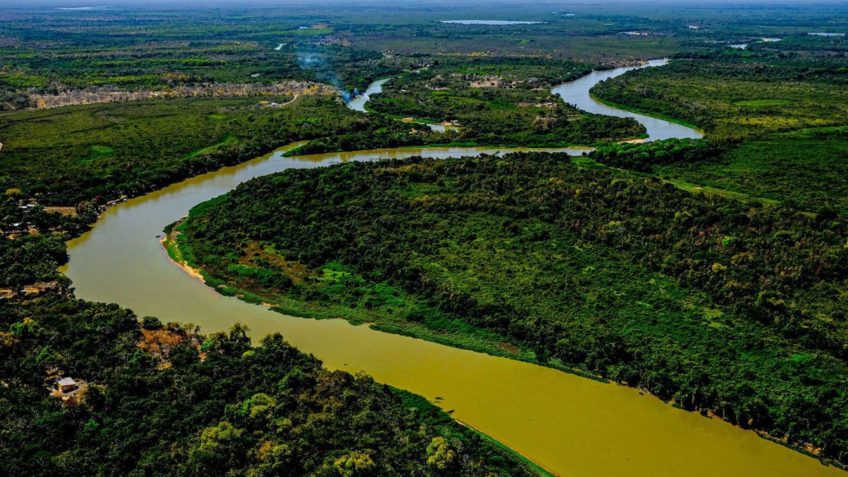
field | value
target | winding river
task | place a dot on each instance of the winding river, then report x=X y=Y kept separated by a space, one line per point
x=577 y=93
x=570 y=425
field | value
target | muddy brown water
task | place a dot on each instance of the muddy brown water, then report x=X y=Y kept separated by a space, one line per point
x=571 y=425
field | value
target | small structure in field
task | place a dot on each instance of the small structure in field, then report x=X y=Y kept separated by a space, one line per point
x=69 y=390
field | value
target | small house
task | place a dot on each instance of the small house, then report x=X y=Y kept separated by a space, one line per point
x=67 y=385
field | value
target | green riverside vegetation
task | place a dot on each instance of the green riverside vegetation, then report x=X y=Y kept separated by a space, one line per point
x=735 y=97
x=776 y=115
x=614 y=265
x=499 y=101
x=69 y=155
x=714 y=304
x=164 y=400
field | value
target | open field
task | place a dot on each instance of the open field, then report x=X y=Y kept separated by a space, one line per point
x=777 y=112
x=804 y=169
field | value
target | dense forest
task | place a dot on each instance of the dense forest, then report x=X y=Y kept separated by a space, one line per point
x=163 y=399
x=156 y=399
x=613 y=265
x=714 y=304
x=643 y=157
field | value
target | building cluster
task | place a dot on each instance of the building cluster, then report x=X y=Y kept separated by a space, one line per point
x=20 y=226
x=97 y=95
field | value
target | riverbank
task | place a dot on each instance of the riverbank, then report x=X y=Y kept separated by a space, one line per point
x=578 y=93
x=180 y=252
x=650 y=114
x=333 y=287
x=478 y=105
x=181 y=255
x=503 y=397
x=418 y=402
x=170 y=241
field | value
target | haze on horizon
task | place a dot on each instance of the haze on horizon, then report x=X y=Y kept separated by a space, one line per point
x=16 y=4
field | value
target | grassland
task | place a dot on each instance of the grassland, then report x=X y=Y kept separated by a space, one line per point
x=777 y=112
x=804 y=169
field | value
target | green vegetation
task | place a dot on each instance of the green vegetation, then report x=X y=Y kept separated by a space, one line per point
x=97 y=152
x=164 y=400
x=804 y=169
x=739 y=97
x=34 y=257
x=228 y=140
x=700 y=300
x=69 y=155
x=30 y=259
x=777 y=115
x=713 y=301
x=643 y=157
x=499 y=101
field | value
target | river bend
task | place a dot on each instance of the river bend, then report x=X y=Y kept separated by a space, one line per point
x=570 y=425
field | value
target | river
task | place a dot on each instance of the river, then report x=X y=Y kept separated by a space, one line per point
x=570 y=425
x=357 y=103
x=577 y=93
